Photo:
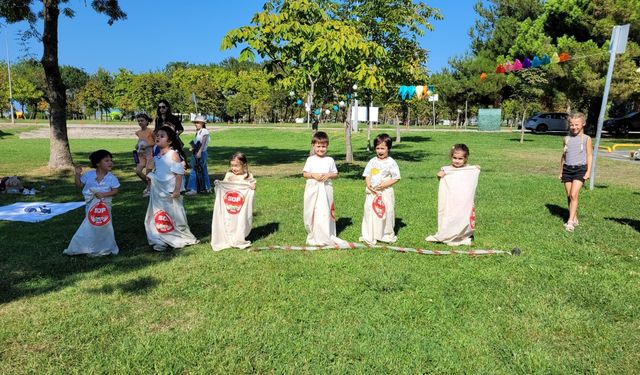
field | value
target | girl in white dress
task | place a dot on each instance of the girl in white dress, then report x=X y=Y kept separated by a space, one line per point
x=166 y=221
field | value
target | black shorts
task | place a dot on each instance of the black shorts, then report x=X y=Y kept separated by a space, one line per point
x=573 y=172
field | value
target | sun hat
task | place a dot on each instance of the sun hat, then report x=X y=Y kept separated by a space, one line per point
x=200 y=118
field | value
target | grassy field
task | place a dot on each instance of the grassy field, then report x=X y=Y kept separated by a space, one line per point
x=568 y=304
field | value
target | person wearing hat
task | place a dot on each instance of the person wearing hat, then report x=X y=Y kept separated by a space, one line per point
x=199 y=177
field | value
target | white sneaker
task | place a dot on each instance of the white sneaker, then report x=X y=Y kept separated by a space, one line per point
x=191 y=192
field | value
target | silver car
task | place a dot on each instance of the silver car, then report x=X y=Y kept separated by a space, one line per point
x=543 y=122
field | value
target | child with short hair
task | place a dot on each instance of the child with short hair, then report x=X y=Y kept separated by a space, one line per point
x=144 y=149
x=380 y=174
x=95 y=236
x=233 y=207
x=456 y=196
x=319 y=210
x=575 y=164
x=166 y=220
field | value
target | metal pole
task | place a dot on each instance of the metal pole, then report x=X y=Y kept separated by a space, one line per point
x=13 y=120
x=603 y=108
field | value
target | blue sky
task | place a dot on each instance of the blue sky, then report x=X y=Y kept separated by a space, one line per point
x=157 y=32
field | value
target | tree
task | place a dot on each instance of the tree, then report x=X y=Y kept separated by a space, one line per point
x=26 y=10
x=74 y=80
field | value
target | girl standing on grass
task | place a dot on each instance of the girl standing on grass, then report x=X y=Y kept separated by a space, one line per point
x=456 y=199
x=233 y=208
x=575 y=164
x=144 y=149
x=380 y=174
x=95 y=237
x=166 y=221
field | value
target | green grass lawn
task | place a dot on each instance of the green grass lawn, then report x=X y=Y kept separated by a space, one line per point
x=568 y=304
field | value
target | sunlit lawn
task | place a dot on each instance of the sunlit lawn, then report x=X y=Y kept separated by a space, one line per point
x=568 y=304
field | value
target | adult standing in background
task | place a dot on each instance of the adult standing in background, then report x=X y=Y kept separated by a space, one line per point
x=164 y=114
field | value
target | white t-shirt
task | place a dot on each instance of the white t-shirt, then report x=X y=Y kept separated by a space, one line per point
x=316 y=164
x=92 y=186
x=200 y=135
x=381 y=170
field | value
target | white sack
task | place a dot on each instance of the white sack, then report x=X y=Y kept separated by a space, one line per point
x=95 y=235
x=232 y=215
x=456 y=213
x=166 y=221
x=319 y=216
x=379 y=217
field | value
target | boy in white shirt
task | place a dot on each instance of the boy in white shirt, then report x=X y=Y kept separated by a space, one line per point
x=319 y=216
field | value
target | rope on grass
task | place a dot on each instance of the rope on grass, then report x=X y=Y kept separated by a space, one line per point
x=354 y=245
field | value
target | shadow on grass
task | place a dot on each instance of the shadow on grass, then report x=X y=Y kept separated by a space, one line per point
x=399 y=225
x=342 y=224
x=137 y=286
x=518 y=140
x=3 y=134
x=32 y=261
x=635 y=224
x=263 y=231
x=412 y=138
x=558 y=211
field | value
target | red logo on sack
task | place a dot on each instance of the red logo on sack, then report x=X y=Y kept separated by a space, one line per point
x=332 y=210
x=99 y=215
x=378 y=206
x=163 y=222
x=472 y=218
x=233 y=201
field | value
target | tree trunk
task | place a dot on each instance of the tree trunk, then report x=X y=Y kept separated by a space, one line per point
x=59 y=151
x=347 y=137
x=524 y=113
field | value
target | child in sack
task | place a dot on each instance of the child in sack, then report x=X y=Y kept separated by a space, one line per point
x=380 y=174
x=319 y=212
x=456 y=199
x=95 y=236
x=166 y=220
x=233 y=207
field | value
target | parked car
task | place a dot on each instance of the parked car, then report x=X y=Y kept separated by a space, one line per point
x=543 y=122
x=622 y=125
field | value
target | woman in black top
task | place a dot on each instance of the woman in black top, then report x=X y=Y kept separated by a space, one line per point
x=164 y=115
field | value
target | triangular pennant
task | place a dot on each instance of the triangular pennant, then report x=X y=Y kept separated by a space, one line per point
x=536 y=62
x=526 y=63
x=545 y=60
x=555 y=58
x=517 y=65
x=500 y=69
x=564 y=57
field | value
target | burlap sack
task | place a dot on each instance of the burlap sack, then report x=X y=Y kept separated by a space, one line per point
x=232 y=215
x=166 y=221
x=95 y=235
x=379 y=218
x=456 y=212
x=319 y=216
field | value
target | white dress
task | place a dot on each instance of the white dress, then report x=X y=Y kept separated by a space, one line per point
x=166 y=221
